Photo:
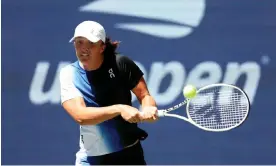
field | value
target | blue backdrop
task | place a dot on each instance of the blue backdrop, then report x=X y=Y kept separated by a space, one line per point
x=175 y=42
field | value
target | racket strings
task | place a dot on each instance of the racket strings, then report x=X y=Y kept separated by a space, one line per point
x=217 y=108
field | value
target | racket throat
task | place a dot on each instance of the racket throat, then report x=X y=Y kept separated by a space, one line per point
x=161 y=113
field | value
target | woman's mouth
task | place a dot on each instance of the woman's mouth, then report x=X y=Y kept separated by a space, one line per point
x=84 y=54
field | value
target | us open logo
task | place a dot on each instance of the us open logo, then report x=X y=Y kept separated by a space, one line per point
x=176 y=18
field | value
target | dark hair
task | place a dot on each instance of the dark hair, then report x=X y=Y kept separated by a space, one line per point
x=110 y=47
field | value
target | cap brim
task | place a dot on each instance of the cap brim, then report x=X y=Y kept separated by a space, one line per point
x=90 y=38
x=72 y=39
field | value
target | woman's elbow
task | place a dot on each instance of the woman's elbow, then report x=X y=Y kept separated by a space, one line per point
x=85 y=122
x=82 y=120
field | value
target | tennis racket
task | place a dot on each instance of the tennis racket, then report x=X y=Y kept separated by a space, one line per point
x=216 y=107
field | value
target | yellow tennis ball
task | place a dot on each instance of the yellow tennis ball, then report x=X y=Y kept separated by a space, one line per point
x=189 y=91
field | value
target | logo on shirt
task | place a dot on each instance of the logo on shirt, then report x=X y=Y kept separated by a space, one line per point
x=111 y=74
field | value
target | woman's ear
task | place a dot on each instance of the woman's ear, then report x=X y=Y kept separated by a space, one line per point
x=102 y=48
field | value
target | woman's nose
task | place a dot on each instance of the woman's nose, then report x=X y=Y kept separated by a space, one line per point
x=84 y=49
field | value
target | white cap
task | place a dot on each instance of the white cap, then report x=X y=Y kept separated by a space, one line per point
x=91 y=30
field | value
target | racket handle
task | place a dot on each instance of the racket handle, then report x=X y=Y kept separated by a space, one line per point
x=161 y=113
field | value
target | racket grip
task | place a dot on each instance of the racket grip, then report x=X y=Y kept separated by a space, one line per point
x=161 y=113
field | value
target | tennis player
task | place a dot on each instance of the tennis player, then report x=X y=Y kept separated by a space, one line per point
x=96 y=93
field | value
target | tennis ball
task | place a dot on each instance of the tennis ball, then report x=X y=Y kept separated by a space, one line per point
x=189 y=91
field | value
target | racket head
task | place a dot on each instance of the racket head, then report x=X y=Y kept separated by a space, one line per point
x=218 y=107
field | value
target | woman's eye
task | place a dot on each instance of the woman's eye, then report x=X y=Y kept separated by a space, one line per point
x=91 y=44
